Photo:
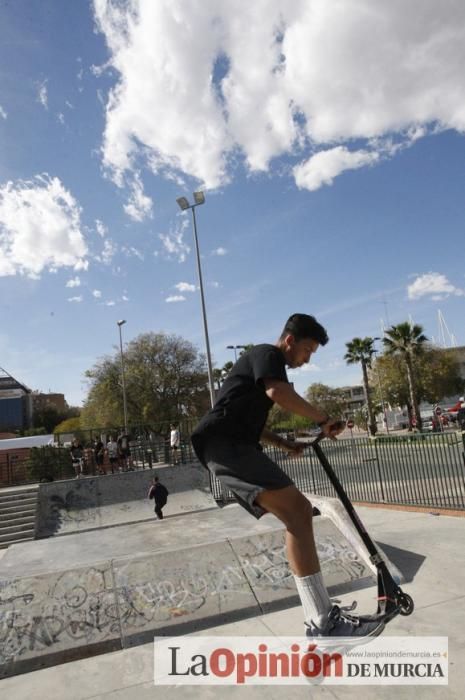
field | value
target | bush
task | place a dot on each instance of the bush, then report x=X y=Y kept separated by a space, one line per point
x=48 y=463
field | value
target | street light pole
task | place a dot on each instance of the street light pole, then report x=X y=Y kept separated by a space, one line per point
x=235 y=348
x=199 y=198
x=123 y=381
x=381 y=391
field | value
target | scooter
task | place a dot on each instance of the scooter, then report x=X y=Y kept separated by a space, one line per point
x=392 y=601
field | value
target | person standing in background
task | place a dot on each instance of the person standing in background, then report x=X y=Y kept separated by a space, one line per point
x=159 y=493
x=175 y=444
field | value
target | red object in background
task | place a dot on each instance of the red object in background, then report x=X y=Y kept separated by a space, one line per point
x=455 y=408
x=350 y=424
x=414 y=422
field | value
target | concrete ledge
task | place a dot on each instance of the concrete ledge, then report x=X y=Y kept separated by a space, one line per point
x=53 y=617
x=238 y=569
x=195 y=584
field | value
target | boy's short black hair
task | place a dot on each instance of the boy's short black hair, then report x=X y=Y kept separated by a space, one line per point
x=303 y=326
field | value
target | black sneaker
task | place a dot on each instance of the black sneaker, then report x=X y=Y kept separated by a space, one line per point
x=348 y=626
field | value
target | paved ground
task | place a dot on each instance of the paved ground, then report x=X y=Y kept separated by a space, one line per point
x=428 y=549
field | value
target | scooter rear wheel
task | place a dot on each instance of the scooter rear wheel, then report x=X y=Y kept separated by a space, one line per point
x=406 y=604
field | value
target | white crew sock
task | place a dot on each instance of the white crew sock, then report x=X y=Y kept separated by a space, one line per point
x=314 y=598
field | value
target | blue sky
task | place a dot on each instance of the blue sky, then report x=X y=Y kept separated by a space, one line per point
x=328 y=137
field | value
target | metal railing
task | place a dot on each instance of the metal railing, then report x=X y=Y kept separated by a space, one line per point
x=419 y=470
x=149 y=446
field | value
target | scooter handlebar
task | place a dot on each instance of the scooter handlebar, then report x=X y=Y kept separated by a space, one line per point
x=337 y=425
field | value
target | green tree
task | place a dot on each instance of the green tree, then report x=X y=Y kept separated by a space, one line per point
x=360 y=350
x=437 y=375
x=165 y=379
x=70 y=425
x=246 y=348
x=279 y=419
x=331 y=401
x=49 y=417
x=33 y=431
x=49 y=462
x=217 y=378
x=407 y=341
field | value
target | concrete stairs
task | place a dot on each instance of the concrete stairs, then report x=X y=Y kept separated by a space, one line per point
x=17 y=514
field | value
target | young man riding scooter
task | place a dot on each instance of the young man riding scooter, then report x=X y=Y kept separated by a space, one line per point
x=227 y=441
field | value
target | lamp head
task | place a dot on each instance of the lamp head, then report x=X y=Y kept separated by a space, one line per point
x=183 y=203
x=199 y=197
x=121 y=323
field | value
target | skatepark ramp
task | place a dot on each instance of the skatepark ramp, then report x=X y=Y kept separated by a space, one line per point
x=92 y=592
x=77 y=505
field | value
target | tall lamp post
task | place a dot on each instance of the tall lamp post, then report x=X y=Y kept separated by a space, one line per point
x=381 y=391
x=123 y=381
x=235 y=348
x=199 y=198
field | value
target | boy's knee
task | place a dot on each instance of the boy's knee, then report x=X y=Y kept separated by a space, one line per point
x=301 y=514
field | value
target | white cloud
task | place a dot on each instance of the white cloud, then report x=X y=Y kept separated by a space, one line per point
x=40 y=227
x=110 y=248
x=76 y=299
x=323 y=167
x=220 y=251
x=61 y=117
x=200 y=82
x=305 y=369
x=185 y=287
x=139 y=206
x=125 y=298
x=132 y=252
x=433 y=284
x=173 y=242
x=101 y=228
x=110 y=303
x=175 y=298
x=75 y=282
x=97 y=293
x=42 y=94
x=3 y=114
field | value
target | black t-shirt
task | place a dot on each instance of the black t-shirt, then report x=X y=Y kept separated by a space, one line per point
x=242 y=406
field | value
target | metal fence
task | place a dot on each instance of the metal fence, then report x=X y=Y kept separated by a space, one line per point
x=418 y=470
x=149 y=446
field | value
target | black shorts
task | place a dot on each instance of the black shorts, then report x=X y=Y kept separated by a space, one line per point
x=244 y=470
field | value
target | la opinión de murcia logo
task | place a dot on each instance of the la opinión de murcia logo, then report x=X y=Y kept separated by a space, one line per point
x=227 y=661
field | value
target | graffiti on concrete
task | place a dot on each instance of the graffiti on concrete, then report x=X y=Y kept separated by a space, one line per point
x=267 y=566
x=144 y=600
x=64 y=610
x=73 y=508
x=338 y=557
x=37 y=614
x=163 y=600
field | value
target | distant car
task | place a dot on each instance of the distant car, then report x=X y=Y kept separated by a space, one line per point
x=427 y=424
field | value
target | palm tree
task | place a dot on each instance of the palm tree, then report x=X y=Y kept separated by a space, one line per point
x=360 y=350
x=407 y=340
